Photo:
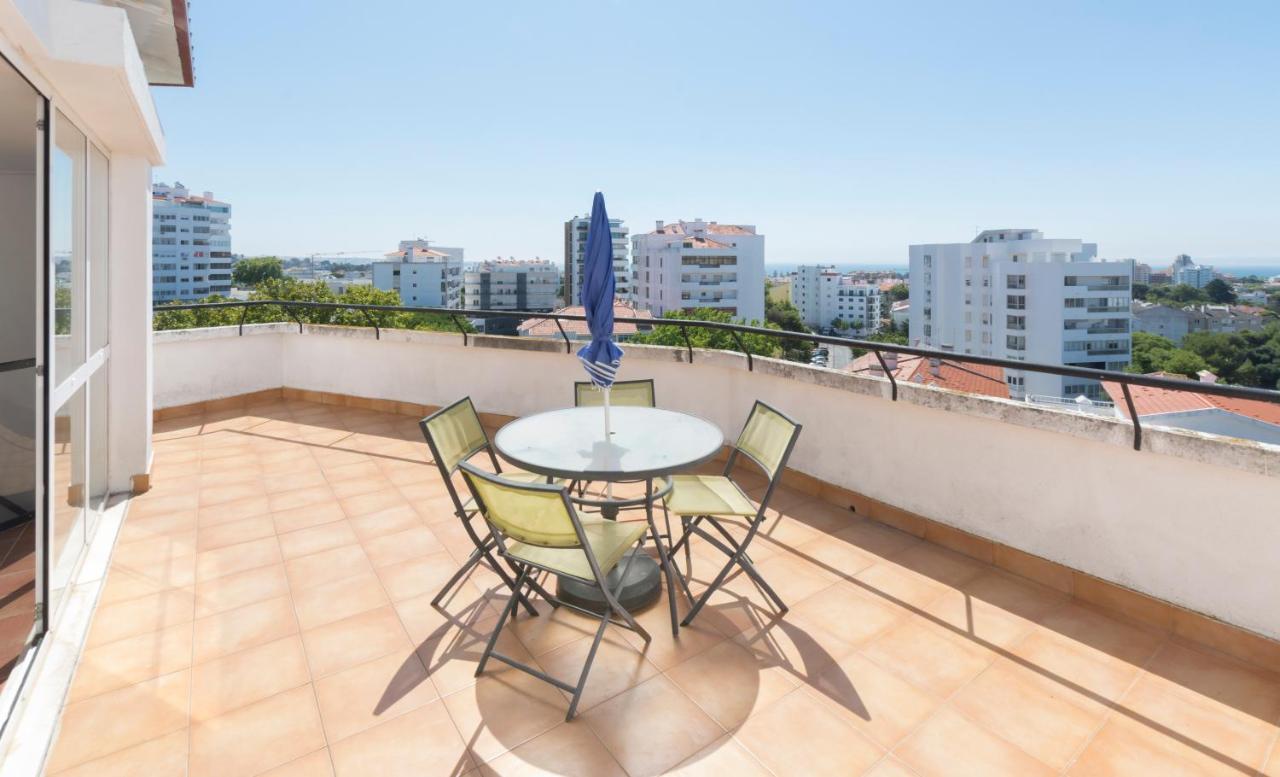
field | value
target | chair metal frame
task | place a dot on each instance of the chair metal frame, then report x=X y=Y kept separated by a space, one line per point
x=736 y=551
x=484 y=546
x=578 y=386
x=524 y=578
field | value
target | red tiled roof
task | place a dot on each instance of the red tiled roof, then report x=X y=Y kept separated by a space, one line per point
x=545 y=327
x=704 y=242
x=956 y=376
x=1153 y=401
x=712 y=227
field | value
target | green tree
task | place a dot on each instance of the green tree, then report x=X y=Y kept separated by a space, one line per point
x=255 y=270
x=1140 y=290
x=1220 y=291
x=1177 y=295
x=761 y=345
x=839 y=324
x=898 y=292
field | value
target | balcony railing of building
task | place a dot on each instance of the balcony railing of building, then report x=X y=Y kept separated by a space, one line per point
x=1125 y=380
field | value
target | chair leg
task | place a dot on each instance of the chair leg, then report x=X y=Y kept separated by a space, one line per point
x=586 y=669
x=502 y=620
x=462 y=572
x=737 y=557
x=663 y=559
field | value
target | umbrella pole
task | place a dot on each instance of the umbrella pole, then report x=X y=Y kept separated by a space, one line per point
x=608 y=438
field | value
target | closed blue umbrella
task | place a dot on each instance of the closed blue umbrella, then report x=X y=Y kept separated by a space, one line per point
x=601 y=356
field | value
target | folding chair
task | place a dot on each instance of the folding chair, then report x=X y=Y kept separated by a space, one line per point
x=537 y=530
x=766 y=440
x=454 y=435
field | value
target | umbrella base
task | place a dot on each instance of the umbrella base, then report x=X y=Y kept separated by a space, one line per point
x=640 y=589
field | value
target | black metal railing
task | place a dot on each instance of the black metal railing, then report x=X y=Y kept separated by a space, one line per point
x=1124 y=379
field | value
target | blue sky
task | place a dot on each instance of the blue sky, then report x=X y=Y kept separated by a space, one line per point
x=843 y=130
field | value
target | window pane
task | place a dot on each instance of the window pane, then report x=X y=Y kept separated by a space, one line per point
x=67 y=248
x=67 y=493
x=98 y=261
x=99 y=487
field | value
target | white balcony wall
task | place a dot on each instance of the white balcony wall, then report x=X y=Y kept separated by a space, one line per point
x=1190 y=519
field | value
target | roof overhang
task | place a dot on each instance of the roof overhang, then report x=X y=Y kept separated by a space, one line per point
x=163 y=36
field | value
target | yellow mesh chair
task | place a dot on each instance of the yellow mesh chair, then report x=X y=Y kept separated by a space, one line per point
x=623 y=393
x=454 y=435
x=537 y=530
x=766 y=440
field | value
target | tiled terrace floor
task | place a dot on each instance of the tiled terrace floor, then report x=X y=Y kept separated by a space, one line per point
x=268 y=613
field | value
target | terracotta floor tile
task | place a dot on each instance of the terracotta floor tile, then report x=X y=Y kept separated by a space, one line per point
x=228 y=492
x=875 y=538
x=339 y=599
x=664 y=649
x=418 y=576
x=360 y=470
x=327 y=566
x=1217 y=680
x=236 y=510
x=244 y=627
x=305 y=542
x=1225 y=733
x=721 y=758
x=355 y=640
x=804 y=650
x=928 y=656
x=994 y=608
x=618 y=666
x=294 y=480
x=504 y=709
x=889 y=767
x=155 y=550
x=933 y=750
x=307 y=516
x=113 y=721
x=799 y=735
x=253 y=739
x=421 y=743
x=235 y=532
x=871 y=699
x=317 y=764
x=240 y=588
x=141 y=616
x=730 y=682
x=1032 y=712
x=1124 y=747
x=242 y=678
x=383 y=522
x=237 y=558
x=836 y=555
x=149 y=527
x=131 y=582
x=452 y=654
x=665 y=714
x=363 y=696
x=851 y=613
x=409 y=544
x=164 y=756
x=345 y=489
x=568 y=750
x=132 y=660
x=1088 y=652
x=315 y=494
x=364 y=504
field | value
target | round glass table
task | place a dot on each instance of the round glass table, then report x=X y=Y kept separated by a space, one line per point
x=644 y=444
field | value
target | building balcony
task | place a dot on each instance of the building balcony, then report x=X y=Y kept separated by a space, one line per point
x=267 y=604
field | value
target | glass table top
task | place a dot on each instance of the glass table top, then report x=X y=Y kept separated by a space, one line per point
x=645 y=442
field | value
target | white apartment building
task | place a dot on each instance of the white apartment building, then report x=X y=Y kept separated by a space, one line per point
x=700 y=264
x=575 y=249
x=190 y=244
x=426 y=276
x=822 y=296
x=511 y=284
x=1012 y=293
x=1185 y=270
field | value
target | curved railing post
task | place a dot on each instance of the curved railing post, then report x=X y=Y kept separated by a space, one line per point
x=568 y=347
x=893 y=381
x=462 y=329
x=1133 y=416
x=750 y=362
x=684 y=332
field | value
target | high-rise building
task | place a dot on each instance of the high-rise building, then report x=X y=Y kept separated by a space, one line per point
x=575 y=250
x=1012 y=293
x=823 y=296
x=1141 y=273
x=190 y=244
x=510 y=284
x=426 y=276
x=1185 y=270
x=700 y=264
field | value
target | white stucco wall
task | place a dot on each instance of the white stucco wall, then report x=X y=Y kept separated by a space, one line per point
x=1189 y=519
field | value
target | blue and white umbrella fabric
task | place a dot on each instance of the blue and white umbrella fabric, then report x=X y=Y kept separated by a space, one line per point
x=601 y=356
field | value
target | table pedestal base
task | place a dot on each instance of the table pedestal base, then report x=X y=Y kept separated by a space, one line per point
x=642 y=586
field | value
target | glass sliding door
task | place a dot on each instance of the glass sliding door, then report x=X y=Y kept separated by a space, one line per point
x=21 y=408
